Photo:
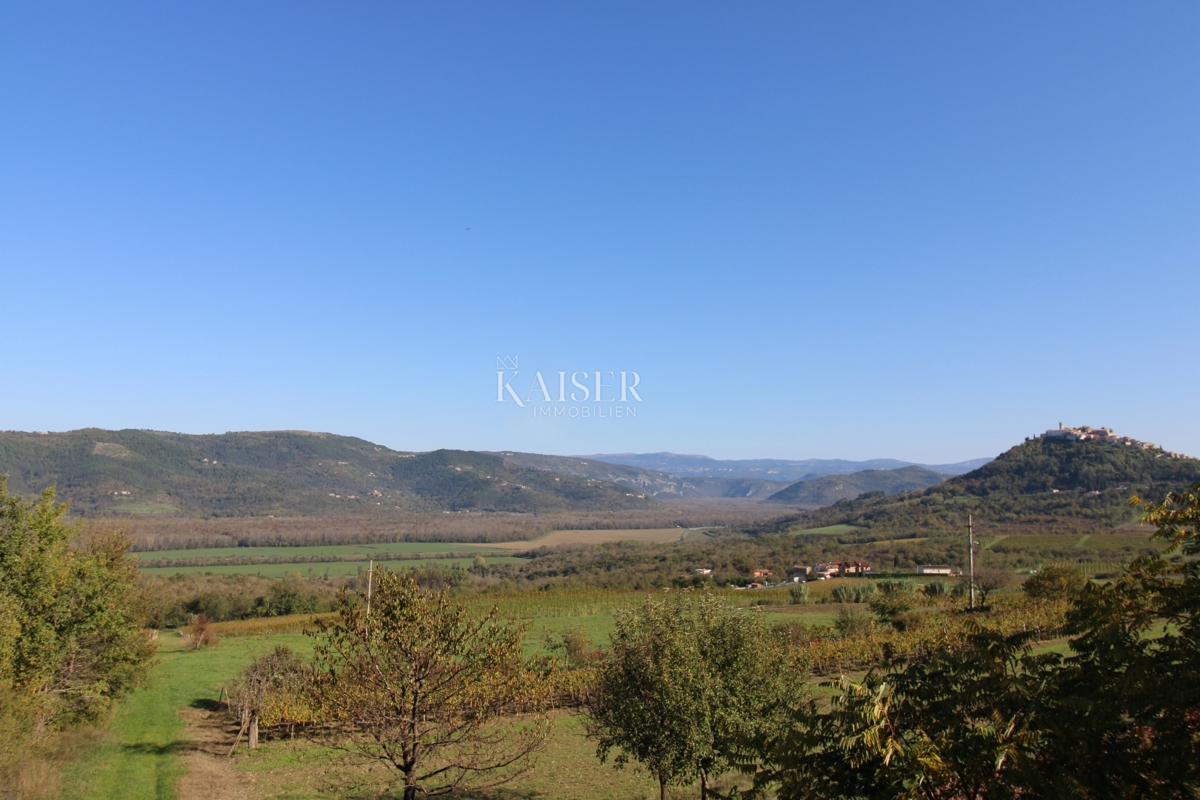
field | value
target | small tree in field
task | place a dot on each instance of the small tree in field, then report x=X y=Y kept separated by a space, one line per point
x=423 y=688
x=278 y=671
x=683 y=687
x=1055 y=582
x=988 y=580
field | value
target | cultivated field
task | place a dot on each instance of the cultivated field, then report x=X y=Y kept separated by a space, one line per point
x=555 y=538
x=331 y=569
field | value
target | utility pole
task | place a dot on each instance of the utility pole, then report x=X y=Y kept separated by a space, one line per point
x=371 y=573
x=971 y=554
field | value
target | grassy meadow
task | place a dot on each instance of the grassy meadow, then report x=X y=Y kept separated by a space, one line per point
x=167 y=739
x=332 y=569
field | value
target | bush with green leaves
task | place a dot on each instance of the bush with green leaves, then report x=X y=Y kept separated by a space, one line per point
x=798 y=595
x=936 y=589
x=1055 y=582
x=854 y=592
x=852 y=623
x=894 y=597
x=71 y=638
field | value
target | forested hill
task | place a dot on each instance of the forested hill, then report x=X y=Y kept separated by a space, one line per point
x=1040 y=485
x=285 y=473
x=829 y=489
x=646 y=481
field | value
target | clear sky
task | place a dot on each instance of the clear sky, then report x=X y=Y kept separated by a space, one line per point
x=909 y=230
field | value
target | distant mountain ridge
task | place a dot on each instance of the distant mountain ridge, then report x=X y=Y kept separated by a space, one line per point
x=283 y=473
x=696 y=466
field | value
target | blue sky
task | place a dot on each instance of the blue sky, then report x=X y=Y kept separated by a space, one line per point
x=919 y=231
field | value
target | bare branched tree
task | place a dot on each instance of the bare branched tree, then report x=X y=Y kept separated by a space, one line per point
x=988 y=579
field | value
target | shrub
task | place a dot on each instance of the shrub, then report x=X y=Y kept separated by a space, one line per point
x=200 y=634
x=798 y=595
x=894 y=598
x=852 y=623
x=1055 y=582
x=937 y=589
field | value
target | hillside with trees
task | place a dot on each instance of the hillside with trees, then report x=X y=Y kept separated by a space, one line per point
x=1043 y=485
x=829 y=489
x=648 y=481
x=283 y=473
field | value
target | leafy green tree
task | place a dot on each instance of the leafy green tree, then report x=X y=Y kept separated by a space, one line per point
x=892 y=599
x=1055 y=582
x=683 y=686
x=411 y=681
x=852 y=623
x=71 y=637
x=951 y=726
x=1123 y=719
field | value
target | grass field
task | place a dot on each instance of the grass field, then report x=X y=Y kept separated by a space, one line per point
x=330 y=568
x=828 y=530
x=555 y=538
x=323 y=550
x=139 y=756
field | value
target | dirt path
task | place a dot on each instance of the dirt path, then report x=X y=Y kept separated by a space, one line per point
x=208 y=772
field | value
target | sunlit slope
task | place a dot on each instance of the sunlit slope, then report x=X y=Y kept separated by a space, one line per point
x=1043 y=485
x=285 y=473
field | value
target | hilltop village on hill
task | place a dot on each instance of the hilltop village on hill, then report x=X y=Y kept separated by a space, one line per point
x=1086 y=433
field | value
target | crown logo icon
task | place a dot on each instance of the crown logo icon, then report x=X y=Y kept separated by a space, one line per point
x=506 y=362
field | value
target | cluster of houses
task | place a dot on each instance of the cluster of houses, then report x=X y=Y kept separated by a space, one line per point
x=1086 y=433
x=800 y=573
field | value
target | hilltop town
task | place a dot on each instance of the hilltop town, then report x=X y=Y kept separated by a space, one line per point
x=1086 y=433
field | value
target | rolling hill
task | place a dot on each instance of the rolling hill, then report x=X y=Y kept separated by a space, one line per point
x=829 y=489
x=686 y=466
x=283 y=473
x=1042 y=485
x=652 y=482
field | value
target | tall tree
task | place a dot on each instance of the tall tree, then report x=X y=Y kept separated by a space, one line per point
x=70 y=636
x=413 y=682
x=684 y=684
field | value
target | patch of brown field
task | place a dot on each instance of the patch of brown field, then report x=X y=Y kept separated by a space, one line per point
x=209 y=773
x=555 y=538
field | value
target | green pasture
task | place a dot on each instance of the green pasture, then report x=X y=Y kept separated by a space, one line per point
x=139 y=755
x=333 y=569
x=828 y=530
x=314 y=550
x=145 y=508
x=138 y=758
